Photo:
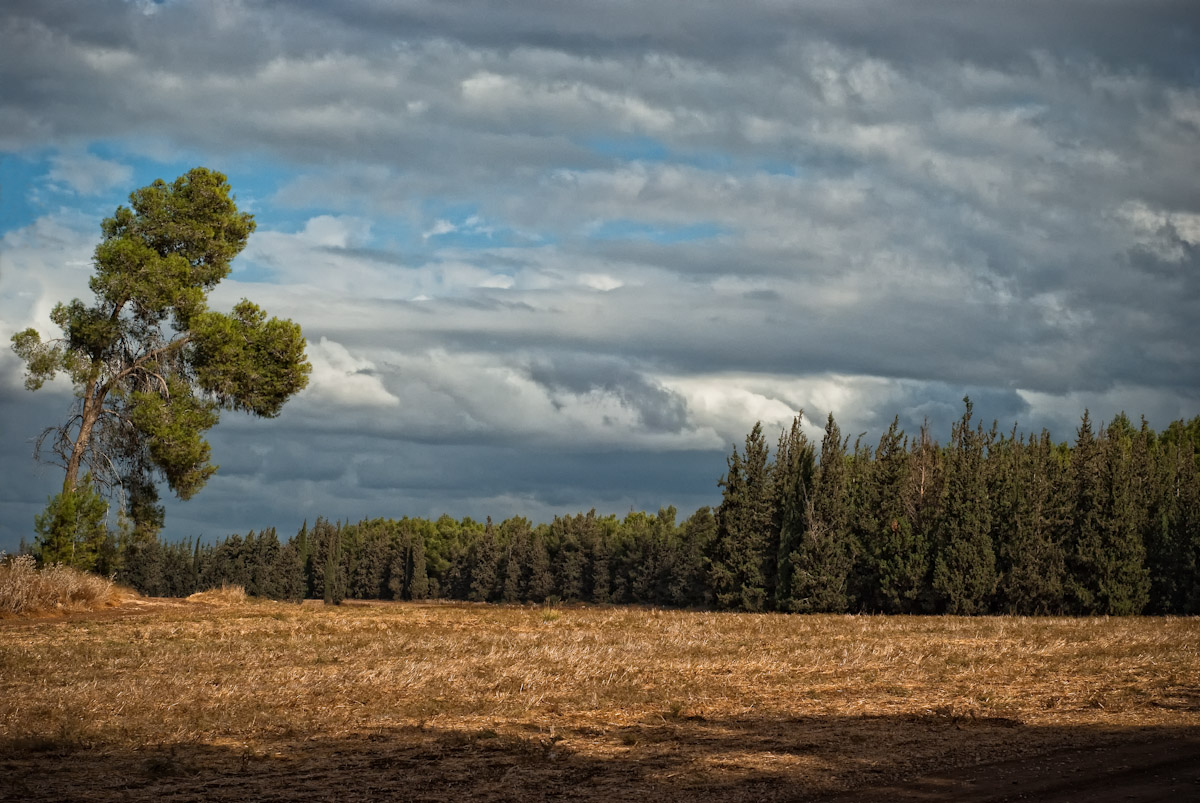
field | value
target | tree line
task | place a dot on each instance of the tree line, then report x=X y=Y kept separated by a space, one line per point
x=990 y=522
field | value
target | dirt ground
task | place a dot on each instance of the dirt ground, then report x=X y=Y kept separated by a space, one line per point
x=439 y=766
x=728 y=751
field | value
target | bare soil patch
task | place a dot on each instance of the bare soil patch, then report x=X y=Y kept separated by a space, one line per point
x=268 y=701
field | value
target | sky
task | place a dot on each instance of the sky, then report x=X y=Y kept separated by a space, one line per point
x=555 y=255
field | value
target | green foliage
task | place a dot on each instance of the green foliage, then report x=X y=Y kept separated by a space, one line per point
x=740 y=559
x=1108 y=526
x=42 y=360
x=821 y=557
x=171 y=427
x=1032 y=512
x=246 y=361
x=964 y=571
x=334 y=580
x=72 y=530
x=483 y=561
x=796 y=543
x=1106 y=571
x=894 y=555
x=161 y=570
x=152 y=367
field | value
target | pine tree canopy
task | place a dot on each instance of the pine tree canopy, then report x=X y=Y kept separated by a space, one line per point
x=152 y=366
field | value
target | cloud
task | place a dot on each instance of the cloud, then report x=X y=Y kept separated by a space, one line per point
x=536 y=236
x=42 y=264
x=339 y=378
x=87 y=174
x=439 y=227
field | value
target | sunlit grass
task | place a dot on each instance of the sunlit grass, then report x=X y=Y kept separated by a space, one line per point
x=707 y=695
x=26 y=589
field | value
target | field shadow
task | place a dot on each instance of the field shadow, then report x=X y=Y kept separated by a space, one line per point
x=935 y=756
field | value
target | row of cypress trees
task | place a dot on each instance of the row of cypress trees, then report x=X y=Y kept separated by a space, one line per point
x=991 y=522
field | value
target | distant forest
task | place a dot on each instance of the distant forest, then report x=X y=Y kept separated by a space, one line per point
x=991 y=522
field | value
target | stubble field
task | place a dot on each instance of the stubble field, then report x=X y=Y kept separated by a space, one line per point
x=172 y=700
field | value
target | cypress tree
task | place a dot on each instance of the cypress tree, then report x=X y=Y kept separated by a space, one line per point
x=1034 y=524
x=740 y=561
x=795 y=469
x=897 y=555
x=511 y=589
x=265 y=566
x=290 y=581
x=1083 y=546
x=569 y=564
x=1106 y=558
x=601 y=570
x=328 y=542
x=418 y=573
x=1124 y=585
x=1172 y=536
x=178 y=579
x=541 y=576
x=196 y=562
x=821 y=561
x=642 y=563
x=925 y=492
x=371 y=564
x=142 y=568
x=1185 y=525
x=484 y=562
x=516 y=533
x=964 y=572
x=399 y=582
x=690 y=586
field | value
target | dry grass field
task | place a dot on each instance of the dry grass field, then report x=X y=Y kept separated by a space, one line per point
x=221 y=698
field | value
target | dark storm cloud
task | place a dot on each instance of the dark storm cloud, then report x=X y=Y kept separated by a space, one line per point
x=1131 y=34
x=27 y=485
x=592 y=241
x=417 y=479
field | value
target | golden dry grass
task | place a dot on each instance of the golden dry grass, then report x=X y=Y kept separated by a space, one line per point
x=26 y=590
x=498 y=702
x=225 y=595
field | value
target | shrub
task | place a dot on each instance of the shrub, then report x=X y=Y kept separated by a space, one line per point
x=26 y=589
x=224 y=595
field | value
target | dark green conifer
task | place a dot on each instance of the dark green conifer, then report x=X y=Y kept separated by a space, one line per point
x=964 y=571
x=896 y=560
x=1031 y=524
x=541 y=575
x=739 y=557
x=1106 y=559
x=821 y=560
x=484 y=563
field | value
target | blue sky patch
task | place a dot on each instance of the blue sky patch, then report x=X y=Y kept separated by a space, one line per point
x=655 y=232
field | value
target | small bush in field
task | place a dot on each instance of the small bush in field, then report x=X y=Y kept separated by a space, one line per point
x=26 y=589
x=224 y=595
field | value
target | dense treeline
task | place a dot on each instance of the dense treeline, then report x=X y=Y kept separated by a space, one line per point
x=991 y=522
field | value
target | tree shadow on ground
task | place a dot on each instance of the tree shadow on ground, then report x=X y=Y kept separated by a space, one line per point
x=935 y=756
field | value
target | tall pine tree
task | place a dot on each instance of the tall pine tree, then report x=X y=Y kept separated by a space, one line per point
x=740 y=561
x=964 y=572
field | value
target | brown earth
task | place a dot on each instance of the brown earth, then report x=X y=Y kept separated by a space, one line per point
x=173 y=701
x=430 y=765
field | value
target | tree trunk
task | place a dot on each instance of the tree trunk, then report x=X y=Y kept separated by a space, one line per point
x=93 y=402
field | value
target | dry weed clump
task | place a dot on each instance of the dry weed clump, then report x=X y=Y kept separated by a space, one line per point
x=225 y=595
x=26 y=589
